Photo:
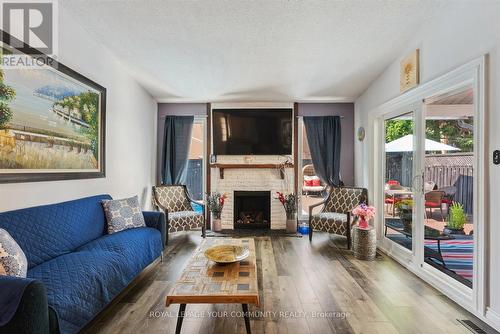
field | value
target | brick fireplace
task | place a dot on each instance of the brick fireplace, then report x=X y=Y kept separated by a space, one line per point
x=260 y=180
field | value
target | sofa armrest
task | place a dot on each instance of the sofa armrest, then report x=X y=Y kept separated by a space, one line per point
x=156 y=219
x=32 y=314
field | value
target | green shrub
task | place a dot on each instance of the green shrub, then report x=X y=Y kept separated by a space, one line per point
x=405 y=204
x=457 y=217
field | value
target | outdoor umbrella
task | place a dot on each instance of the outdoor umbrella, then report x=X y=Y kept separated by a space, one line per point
x=405 y=144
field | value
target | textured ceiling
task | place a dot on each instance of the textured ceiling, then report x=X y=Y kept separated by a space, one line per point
x=254 y=50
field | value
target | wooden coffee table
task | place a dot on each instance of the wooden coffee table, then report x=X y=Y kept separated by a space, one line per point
x=205 y=282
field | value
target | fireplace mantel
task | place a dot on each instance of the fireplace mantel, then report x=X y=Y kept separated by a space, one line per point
x=279 y=167
x=252 y=173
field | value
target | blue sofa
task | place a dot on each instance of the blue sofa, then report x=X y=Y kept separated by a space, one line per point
x=75 y=268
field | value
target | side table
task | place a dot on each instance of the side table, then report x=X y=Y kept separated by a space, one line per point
x=364 y=243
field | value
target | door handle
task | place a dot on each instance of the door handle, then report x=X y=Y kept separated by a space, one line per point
x=421 y=185
x=413 y=180
x=423 y=182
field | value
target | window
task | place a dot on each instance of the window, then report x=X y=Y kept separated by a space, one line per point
x=196 y=162
x=312 y=190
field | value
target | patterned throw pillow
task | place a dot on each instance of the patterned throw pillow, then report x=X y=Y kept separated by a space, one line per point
x=13 y=262
x=122 y=214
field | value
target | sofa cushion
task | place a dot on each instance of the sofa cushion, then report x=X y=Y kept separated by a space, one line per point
x=45 y=232
x=13 y=262
x=81 y=284
x=122 y=214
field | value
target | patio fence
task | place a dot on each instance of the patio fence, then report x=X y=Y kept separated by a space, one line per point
x=453 y=170
x=444 y=169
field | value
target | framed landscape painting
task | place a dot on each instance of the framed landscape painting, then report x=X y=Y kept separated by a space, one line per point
x=52 y=123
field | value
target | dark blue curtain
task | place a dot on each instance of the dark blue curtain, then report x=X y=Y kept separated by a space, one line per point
x=323 y=137
x=178 y=130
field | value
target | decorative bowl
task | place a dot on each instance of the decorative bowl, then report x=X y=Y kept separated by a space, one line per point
x=227 y=253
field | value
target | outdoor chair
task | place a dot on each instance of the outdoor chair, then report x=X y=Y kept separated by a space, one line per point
x=391 y=201
x=335 y=217
x=174 y=200
x=433 y=200
x=449 y=196
x=308 y=171
x=429 y=186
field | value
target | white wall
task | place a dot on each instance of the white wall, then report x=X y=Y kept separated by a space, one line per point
x=466 y=30
x=130 y=133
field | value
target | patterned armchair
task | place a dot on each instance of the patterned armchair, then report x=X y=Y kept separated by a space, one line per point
x=175 y=202
x=335 y=217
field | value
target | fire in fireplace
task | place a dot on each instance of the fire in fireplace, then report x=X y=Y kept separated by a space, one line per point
x=252 y=209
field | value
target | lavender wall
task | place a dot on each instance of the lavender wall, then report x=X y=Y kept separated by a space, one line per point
x=305 y=109
x=346 y=110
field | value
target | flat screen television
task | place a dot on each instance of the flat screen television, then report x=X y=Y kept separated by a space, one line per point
x=252 y=131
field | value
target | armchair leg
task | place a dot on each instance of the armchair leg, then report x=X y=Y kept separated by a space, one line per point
x=166 y=232
x=348 y=234
x=310 y=226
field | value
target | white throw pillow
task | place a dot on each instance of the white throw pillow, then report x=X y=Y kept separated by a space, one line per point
x=13 y=262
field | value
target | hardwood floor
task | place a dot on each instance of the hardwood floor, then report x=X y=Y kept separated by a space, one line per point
x=304 y=288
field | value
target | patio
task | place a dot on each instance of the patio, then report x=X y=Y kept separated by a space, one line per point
x=452 y=256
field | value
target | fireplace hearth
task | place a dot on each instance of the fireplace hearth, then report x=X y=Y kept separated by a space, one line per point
x=252 y=209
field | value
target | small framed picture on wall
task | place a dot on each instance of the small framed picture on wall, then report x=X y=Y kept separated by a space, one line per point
x=410 y=71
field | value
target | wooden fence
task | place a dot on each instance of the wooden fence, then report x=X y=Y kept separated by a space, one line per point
x=444 y=169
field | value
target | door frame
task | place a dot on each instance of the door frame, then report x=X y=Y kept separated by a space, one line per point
x=475 y=71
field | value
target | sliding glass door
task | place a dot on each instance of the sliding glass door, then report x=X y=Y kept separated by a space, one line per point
x=428 y=181
x=448 y=165
x=431 y=180
x=429 y=158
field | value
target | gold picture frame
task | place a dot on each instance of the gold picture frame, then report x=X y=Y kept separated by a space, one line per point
x=410 y=71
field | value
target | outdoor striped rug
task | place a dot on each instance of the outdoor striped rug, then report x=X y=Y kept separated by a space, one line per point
x=457 y=255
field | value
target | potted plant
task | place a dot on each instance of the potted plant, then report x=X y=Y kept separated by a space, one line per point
x=405 y=210
x=364 y=214
x=289 y=202
x=456 y=219
x=215 y=204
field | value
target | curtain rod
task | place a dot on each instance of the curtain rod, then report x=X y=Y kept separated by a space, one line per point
x=302 y=116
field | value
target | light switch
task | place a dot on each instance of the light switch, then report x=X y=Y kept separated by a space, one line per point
x=496 y=157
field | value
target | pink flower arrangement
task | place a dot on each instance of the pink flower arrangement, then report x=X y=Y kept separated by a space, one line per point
x=364 y=213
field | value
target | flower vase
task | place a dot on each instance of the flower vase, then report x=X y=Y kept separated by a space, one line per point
x=291 y=223
x=362 y=223
x=216 y=223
